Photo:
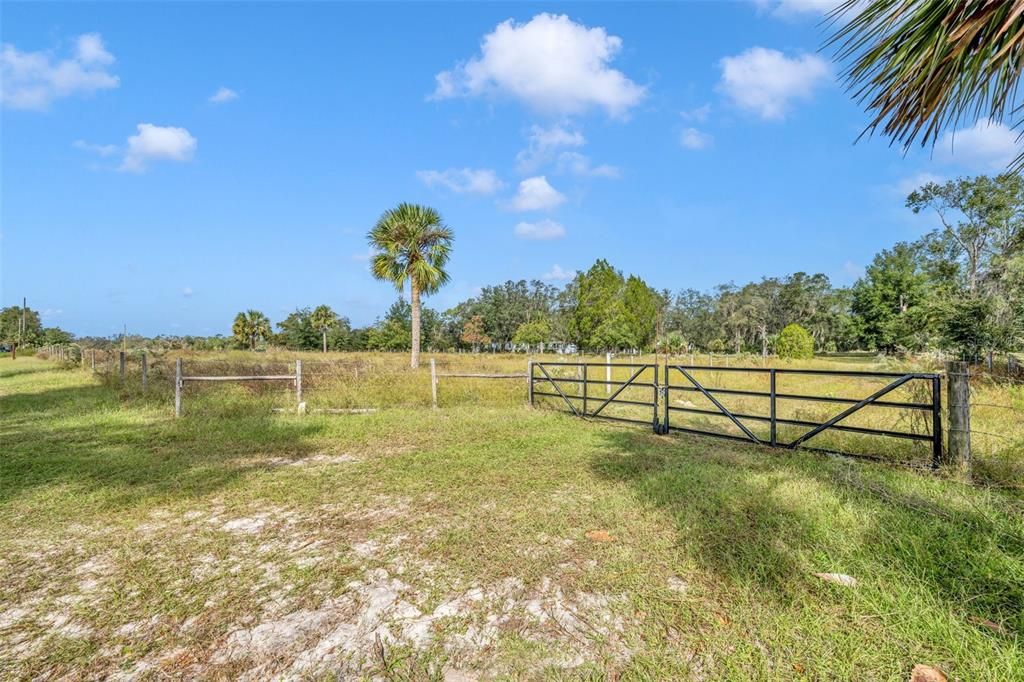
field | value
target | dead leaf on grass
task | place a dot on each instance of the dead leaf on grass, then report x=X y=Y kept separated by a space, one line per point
x=926 y=673
x=599 y=536
x=986 y=623
x=838 y=579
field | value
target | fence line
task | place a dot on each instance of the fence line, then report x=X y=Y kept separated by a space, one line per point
x=435 y=375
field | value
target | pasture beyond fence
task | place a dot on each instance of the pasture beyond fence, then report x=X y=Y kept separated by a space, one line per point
x=836 y=410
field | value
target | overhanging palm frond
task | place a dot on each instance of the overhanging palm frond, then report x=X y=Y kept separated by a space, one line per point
x=922 y=66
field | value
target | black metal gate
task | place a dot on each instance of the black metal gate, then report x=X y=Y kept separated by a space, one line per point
x=681 y=379
x=545 y=374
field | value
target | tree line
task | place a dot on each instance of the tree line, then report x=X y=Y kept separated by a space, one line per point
x=958 y=288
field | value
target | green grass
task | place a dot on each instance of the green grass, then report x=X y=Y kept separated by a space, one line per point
x=134 y=542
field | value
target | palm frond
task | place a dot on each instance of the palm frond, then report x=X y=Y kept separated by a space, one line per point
x=923 y=66
x=411 y=242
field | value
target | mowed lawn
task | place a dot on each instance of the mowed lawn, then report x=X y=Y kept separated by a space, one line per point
x=474 y=542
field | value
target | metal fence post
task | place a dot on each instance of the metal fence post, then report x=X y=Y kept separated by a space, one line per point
x=121 y=365
x=666 y=392
x=771 y=406
x=298 y=382
x=959 y=405
x=145 y=372
x=433 y=383
x=529 y=381
x=177 y=387
x=654 y=422
x=937 y=421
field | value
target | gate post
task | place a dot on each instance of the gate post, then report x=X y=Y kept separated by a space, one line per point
x=958 y=403
x=529 y=381
x=771 y=399
x=654 y=422
x=298 y=385
x=666 y=396
x=937 y=421
x=177 y=387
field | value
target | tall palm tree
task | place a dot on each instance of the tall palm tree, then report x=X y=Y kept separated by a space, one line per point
x=922 y=66
x=411 y=243
x=323 y=320
x=251 y=326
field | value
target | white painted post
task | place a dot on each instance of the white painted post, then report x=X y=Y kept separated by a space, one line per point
x=177 y=387
x=608 y=373
x=298 y=382
x=433 y=383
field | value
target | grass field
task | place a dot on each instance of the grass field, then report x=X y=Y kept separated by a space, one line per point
x=485 y=539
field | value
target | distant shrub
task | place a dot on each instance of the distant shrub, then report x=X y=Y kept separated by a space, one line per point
x=795 y=343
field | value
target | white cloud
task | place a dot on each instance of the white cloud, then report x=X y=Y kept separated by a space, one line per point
x=853 y=270
x=691 y=138
x=987 y=146
x=790 y=9
x=187 y=292
x=462 y=180
x=536 y=194
x=579 y=164
x=698 y=114
x=550 y=63
x=557 y=274
x=767 y=82
x=543 y=145
x=32 y=80
x=89 y=49
x=157 y=143
x=223 y=95
x=98 y=149
x=542 y=230
x=907 y=185
x=552 y=145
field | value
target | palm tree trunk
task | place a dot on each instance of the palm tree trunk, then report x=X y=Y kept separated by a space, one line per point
x=415 y=295
x=325 y=340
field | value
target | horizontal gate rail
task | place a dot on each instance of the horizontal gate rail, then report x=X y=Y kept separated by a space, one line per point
x=714 y=401
x=800 y=422
x=615 y=387
x=852 y=405
x=567 y=402
x=809 y=398
x=663 y=409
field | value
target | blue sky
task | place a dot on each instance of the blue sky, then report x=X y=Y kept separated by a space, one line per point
x=166 y=165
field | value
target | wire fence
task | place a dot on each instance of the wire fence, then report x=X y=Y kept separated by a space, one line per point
x=363 y=381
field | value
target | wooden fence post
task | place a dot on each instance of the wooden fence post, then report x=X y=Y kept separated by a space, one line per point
x=433 y=383
x=93 y=354
x=298 y=382
x=145 y=372
x=177 y=387
x=121 y=365
x=958 y=454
